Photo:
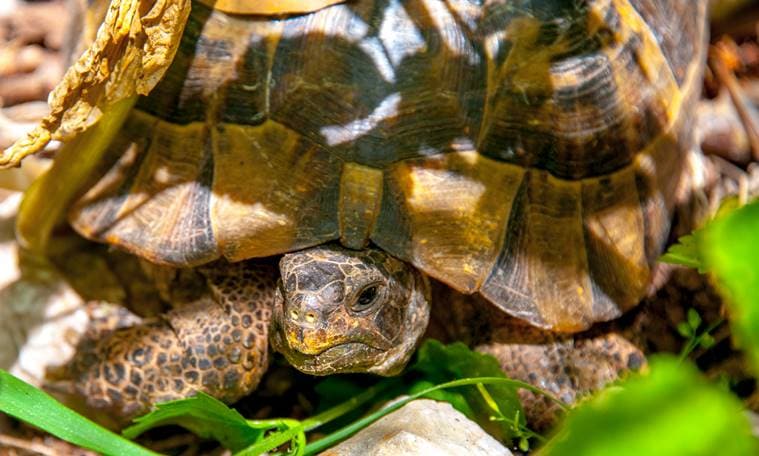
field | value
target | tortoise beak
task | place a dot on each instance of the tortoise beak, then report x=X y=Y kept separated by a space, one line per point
x=309 y=341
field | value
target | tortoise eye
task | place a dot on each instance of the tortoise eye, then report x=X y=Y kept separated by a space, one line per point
x=366 y=298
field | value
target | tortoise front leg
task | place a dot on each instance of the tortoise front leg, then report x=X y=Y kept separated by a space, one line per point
x=218 y=345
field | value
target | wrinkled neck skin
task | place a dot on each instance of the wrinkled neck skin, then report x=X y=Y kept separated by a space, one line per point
x=338 y=311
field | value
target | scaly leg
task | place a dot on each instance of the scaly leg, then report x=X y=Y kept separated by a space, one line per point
x=218 y=345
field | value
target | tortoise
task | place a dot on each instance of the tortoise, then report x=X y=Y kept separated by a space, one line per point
x=527 y=152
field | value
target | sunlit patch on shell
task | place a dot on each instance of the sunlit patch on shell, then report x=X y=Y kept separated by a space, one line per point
x=266 y=179
x=421 y=199
x=162 y=175
x=493 y=45
x=453 y=36
x=467 y=11
x=338 y=20
x=265 y=217
x=339 y=134
x=400 y=37
x=454 y=207
x=372 y=46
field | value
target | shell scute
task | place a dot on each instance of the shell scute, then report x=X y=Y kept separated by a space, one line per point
x=454 y=207
x=273 y=191
x=155 y=198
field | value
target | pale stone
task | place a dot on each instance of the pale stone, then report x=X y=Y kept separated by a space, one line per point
x=422 y=427
x=41 y=317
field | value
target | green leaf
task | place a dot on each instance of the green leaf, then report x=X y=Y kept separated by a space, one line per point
x=730 y=248
x=706 y=341
x=685 y=252
x=694 y=319
x=684 y=330
x=27 y=403
x=438 y=363
x=671 y=411
x=205 y=416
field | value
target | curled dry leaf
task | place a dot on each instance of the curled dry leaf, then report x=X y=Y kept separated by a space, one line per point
x=129 y=55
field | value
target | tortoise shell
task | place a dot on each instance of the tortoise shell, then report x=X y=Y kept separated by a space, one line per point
x=528 y=151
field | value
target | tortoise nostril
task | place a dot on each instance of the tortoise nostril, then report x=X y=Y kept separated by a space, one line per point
x=310 y=317
x=294 y=314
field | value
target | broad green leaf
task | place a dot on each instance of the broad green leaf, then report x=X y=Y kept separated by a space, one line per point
x=203 y=415
x=438 y=363
x=730 y=248
x=27 y=403
x=671 y=411
x=336 y=389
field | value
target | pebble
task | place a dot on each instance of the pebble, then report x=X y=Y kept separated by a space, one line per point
x=422 y=427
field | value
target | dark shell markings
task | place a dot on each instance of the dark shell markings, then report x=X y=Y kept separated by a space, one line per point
x=528 y=151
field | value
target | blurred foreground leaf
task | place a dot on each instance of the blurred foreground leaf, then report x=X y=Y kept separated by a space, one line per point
x=671 y=411
x=29 y=404
x=729 y=247
x=685 y=253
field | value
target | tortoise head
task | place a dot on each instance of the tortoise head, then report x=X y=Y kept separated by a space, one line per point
x=340 y=310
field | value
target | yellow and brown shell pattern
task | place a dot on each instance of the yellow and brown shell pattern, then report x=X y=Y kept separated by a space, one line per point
x=528 y=151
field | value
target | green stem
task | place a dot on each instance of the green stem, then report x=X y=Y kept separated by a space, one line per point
x=349 y=405
x=519 y=429
x=694 y=342
x=315 y=421
x=352 y=428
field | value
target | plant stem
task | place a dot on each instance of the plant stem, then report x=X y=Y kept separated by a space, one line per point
x=279 y=438
x=349 y=405
x=693 y=342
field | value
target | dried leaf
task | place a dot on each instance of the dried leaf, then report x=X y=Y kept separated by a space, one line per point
x=131 y=52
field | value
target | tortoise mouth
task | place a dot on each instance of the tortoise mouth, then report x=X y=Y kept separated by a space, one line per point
x=348 y=357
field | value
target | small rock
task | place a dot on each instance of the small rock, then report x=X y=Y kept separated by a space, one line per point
x=7 y=7
x=422 y=427
x=39 y=312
